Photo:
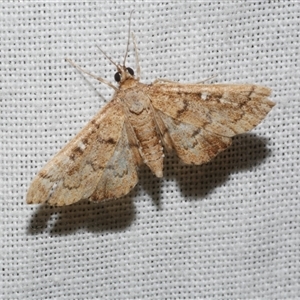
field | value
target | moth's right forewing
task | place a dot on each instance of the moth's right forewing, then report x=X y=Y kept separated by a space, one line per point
x=200 y=119
x=222 y=109
x=74 y=172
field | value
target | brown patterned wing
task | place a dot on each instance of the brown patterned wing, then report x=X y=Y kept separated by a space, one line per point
x=193 y=145
x=221 y=109
x=86 y=164
x=120 y=174
x=199 y=120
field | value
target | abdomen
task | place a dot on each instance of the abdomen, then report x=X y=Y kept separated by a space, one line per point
x=140 y=117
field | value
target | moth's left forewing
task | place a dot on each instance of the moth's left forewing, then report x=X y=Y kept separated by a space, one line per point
x=91 y=165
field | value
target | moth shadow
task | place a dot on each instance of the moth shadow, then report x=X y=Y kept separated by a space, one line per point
x=112 y=216
x=151 y=185
x=246 y=152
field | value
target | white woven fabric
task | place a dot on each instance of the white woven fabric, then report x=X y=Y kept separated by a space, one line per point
x=228 y=229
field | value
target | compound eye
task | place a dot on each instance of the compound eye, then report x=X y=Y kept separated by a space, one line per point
x=130 y=71
x=118 y=77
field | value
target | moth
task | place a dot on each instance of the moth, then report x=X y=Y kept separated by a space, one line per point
x=138 y=125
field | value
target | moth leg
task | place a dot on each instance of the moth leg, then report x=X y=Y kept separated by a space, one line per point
x=209 y=78
x=164 y=80
x=137 y=61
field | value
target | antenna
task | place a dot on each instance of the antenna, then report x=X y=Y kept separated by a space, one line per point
x=128 y=40
x=108 y=57
x=91 y=74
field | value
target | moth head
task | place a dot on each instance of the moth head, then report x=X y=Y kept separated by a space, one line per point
x=123 y=74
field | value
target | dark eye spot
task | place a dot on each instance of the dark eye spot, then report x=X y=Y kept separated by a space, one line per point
x=118 y=77
x=130 y=71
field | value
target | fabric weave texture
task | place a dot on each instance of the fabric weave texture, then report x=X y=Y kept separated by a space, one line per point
x=228 y=229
